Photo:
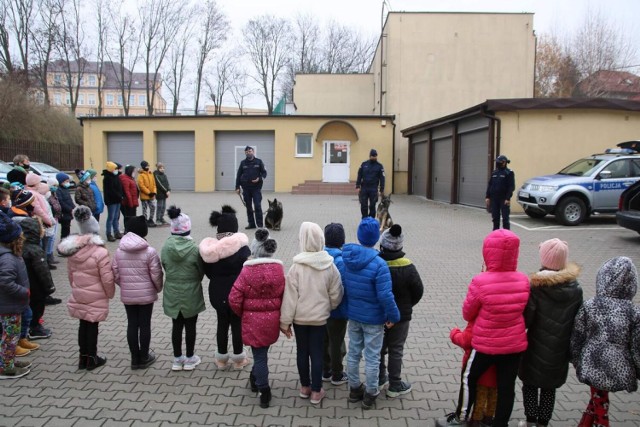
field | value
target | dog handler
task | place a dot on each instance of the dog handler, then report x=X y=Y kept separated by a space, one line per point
x=250 y=176
x=499 y=192
x=370 y=177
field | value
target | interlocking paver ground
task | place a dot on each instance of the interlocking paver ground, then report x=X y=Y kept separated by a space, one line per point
x=444 y=241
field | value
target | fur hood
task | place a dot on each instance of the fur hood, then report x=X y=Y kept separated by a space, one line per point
x=213 y=250
x=554 y=278
x=72 y=244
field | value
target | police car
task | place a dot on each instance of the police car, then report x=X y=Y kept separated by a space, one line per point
x=592 y=184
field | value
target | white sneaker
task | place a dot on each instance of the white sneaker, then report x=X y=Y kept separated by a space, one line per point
x=178 y=363
x=190 y=363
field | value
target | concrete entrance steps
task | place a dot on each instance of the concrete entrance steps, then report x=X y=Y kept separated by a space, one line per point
x=319 y=187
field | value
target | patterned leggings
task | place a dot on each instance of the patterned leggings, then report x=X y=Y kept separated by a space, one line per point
x=486 y=400
x=538 y=411
x=10 y=336
x=597 y=413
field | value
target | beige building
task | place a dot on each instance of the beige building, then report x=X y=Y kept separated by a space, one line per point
x=111 y=83
x=202 y=153
x=428 y=65
x=451 y=157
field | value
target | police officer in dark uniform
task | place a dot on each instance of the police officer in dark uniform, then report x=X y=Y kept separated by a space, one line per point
x=370 y=177
x=499 y=191
x=250 y=176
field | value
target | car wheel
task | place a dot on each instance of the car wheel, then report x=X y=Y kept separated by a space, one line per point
x=532 y=213
x=571 y=211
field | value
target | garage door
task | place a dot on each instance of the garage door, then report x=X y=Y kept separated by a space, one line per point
x=124 y=148
x=473 y=168
x=230 y=152
x=177 y=151
x=441 y=177
x=420 y=162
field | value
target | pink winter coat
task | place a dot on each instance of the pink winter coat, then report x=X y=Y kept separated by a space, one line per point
x=41 y=207
x=256 y=297
x=137 y=270
x=90 y=276
x=496 y=298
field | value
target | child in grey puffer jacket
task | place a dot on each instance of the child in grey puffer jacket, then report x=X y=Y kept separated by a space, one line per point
x=605 y=344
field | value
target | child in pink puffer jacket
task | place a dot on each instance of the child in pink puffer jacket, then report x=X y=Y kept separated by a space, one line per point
x=137 y=270
x=92 y=285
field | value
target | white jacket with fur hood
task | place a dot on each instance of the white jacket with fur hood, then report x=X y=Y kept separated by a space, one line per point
x=313 y=285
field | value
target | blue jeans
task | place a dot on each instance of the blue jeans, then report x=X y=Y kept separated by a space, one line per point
x=310 y=345
x=51 y=243
x=27 y=315
x=253 y=199
x=367 y=338
x=113 y=218
x=260 y=368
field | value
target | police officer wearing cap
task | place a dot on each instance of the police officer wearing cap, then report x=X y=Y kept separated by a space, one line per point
x=499 y=191
x=250 y=176
x=370 y=178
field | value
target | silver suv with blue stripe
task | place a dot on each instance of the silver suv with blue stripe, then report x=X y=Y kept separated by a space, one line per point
x=592 y=184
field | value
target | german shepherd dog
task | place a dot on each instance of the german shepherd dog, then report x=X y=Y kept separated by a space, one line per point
x=274 y=215
x=382 y=213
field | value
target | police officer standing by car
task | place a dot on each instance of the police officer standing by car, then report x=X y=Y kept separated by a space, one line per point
x=499 y=191
x=250 y=176
x=370 y=177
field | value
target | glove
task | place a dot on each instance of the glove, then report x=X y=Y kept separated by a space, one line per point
x=453 y=332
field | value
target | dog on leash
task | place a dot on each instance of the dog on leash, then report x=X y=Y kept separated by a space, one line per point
x=382 y=213
x=273 y=219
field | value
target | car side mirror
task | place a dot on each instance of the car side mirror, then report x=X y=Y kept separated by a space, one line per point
x=605 y=175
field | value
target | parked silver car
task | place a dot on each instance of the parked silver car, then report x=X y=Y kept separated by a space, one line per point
x=4 y=169
x=592 y=184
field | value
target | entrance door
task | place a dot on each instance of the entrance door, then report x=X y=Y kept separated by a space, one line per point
x=335 y=166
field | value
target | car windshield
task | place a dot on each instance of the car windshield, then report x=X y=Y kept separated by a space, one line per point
x=4 y=168
x=45 y=168
x=582 y=167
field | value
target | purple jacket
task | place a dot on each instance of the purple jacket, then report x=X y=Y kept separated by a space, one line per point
x=137 y=270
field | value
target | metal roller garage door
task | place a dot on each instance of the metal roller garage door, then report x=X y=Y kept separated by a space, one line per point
x=124 y=148
x=177 y=151
x=230 y=152
x=420 y=162
x=473 y=168
x=441 y=177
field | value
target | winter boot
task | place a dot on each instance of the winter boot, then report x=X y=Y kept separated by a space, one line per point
x=240 y=360
x=265 y=397
x=356 y=394
x=52 y=260
x=369 y=400
x=586 y=420
x=25 y=343
x=111 y=238
x=145 y=362
x=94 y=362
x=21 y=351
x=82 y=361
x=118 y=235
x=252 y=383
x=221 y=360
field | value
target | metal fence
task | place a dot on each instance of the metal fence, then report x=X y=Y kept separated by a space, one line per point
x=61 y=156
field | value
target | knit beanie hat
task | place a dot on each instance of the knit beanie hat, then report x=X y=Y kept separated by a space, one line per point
x=368 y=232
x=262 y=246
x=226 y=220
x=553 y=254
x=52 y=182
x=86 y=222
x=17 y=174
x=32 y=179
x=180 y=223
x=22 y=198
x=92 y=172
x=79 y=173
x=85 y=176
x=334 y=235
x=136 y=225
x=111 y=166
x=392 y=239
x=9 y=230
x=62 y=177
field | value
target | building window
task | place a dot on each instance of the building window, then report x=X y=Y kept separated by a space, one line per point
x=81 y=99
x=119 y=99
x=82 y=81
x=68 y=99
x=304 y=147
x=92 y=98
x=142 y=100
x=92 y=80
x=40 y=98
x=57 y=99
x=57 y=79
x=110 y=99
x=132 y=100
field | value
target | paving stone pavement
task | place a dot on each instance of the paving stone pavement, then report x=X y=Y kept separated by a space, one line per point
x=444 y=241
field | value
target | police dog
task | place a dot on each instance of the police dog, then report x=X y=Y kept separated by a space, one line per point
x=382 y=213
x=274 y=215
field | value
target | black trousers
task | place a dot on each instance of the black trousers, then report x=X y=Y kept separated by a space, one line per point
x=88 y=337
x=127 y=211
x=499 y=208
x=506 y=373
x=368 y=199
x=334 y=348
x=227 y=318
x=393 y=346
x=139 y=330
x=65 y=227
x=253 y=199
x=36 y=302
x=189 y=326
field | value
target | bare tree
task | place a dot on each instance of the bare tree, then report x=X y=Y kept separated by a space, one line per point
x=71 y=47
x=161 y=21
x=306 y=46
x=345 y=50
x=555 y=72
x=16 y=18
x=239 y=89
x=44 y=36
x=220 y=83
x=212 y=33
x=6 y=61
x=178 y=64
x=268 y=45
x=103 y=40
x=128 y=42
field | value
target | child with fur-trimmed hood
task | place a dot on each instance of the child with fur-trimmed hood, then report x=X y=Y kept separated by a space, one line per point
x=224 y=256
x=313 y=289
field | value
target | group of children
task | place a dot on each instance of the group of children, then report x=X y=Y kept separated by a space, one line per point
x=533 y=327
